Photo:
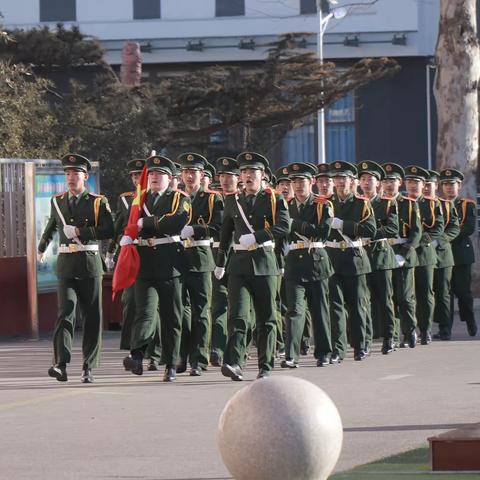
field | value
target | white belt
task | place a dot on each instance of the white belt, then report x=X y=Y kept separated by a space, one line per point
x=216 y=244
x=397 y=241
x=344 y=245
x=187 y=243
x=151 y=242
x=305 y=245
x=369 y=241
x=237 y=247
x=75 y=247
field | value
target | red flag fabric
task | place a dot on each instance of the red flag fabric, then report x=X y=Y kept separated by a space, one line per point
x=128 y=263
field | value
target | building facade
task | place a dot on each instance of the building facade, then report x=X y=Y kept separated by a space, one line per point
x=389 y=120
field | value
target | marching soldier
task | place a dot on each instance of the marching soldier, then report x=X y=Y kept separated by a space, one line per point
x=404 y=246
x=81 y=219
x=228 y=172
x=204 y=222
x=432 y=222
x=254 y=219
x=159 y=283
x=175 y=182
x=442 y=276
x=284 y=185
x=307 y=267
x=354 y=220
x=462 y=247
x=381 y=255
x=209 y=173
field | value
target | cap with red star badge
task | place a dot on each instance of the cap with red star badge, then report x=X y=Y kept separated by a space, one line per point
x=252 y=160
x=76 y=162
x=282 y=174
x=227 y=165
x=192 y=160
x=371 y=168
x=159 y=163
x=135 y=166
x=393 y=171
x=340 y=168
x=451 y=175
x=412 y=172
x=301 y=170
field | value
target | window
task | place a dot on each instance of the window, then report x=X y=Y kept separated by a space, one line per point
x=144 y=9
x=58 y=10
x=308 y=6
x=229 y=8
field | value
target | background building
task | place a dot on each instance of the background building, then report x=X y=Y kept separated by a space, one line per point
x=389 y=120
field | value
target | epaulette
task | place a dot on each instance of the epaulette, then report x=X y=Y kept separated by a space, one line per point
x=321 y=200
x=468 y=200
x=386 y=198
x=212 y=191
x=96 y=195
x=127 y=194
x=360 y=197
x=182 y=192
x=60 y=194
x=408 y=198
x=290 y=200
x=270 y=191
x=429 y=198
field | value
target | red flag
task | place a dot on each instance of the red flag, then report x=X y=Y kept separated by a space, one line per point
x=128 y=263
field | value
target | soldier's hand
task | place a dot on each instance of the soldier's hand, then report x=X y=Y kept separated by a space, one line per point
x=109 y=261
x=400 y=260
x=187 y=232
x=219 y=272
x=247 y=240
x=125 y=240
x=140 y=223
x=336 y=223
x=40 y=257
x=70 y=231
x=434 y=243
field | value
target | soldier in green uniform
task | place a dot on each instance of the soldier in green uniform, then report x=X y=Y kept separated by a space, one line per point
x=432 y=223
x=176 y=180
x=204 y=222
x=381 y=255
x=442 y=276
x=254 y=219
x=354 y=220
x=462 y=247
x=159 y=283
x=81 y=219
x=404 y=246
x=228 y=171
x=307 y=267
x=209 y=173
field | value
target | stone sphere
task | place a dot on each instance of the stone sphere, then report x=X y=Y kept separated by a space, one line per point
x=280 y=428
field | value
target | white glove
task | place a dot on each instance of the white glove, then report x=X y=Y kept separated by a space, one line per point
x=336 y=223
x=400 y=260
x=140 y=223
x=70 y=231
x=282 y=271
x=219 y=272
x=187 y=231
x=109 y=261
x=434 y=243
x=247 y=240
x=125 y=240
x=40 y=258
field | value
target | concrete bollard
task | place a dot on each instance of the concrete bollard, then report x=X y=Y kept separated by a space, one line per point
x=280 y=428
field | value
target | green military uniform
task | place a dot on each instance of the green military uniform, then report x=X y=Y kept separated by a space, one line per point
x=219 y=286
x=442 y=276
x=463 y=255
x=348 y=286
x=404 y=246
x=159 y=283
x=252 y=268
x=432 y=222
x=128 y=295
x=307 y=270
x=382 y=261
x=204 y=222
x=79 y=269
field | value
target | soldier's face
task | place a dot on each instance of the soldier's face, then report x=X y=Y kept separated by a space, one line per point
x=450 y=190
x=302 y=186
x=191 y=177
x=430 y=189
x=75 y=180
x=414 y=187
x=325 y=186
x=135 y=176
x=343 y=184
x=228 y=182
x=205 y=181
x=252 y=179
x=391 y=186
x=158 y=181
x=174 y=183
x=284 y=187
x=369 y=184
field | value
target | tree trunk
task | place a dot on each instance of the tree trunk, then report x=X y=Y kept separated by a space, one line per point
x=456 y=93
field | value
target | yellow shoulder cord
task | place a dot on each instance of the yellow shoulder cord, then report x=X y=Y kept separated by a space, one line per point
x=365 y=212
x=447 y=209
x=464 y=212
x=273 y=200
x=96 y=209
x=319 y=212
x=409 y=226
x=432 y=211
x=175 y=203
x=211 y=203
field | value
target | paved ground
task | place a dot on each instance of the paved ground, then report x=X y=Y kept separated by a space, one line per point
x=127 y=427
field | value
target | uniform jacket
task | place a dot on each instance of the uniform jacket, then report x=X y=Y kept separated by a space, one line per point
x=381 y=254
x=450 y=232
x=206 y=219
x=358 y=222
x=169 y=215
x=270 y=221
x=124 y=203
x=462 y=246
x=93 y=219
x=307 y=265
x=410 y=227
x=432 y=223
